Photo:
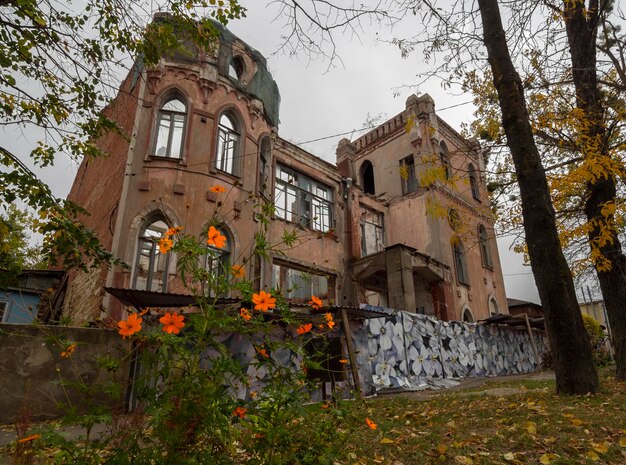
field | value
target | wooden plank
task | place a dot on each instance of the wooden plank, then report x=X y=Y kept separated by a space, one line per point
x=351 y=355
x=532 y=339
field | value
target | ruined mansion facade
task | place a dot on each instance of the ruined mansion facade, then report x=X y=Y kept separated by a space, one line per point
x=402 y=219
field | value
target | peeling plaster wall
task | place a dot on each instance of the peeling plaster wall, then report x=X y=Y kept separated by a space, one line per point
x=32 y=366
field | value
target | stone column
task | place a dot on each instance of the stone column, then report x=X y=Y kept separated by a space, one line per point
x=400 y=287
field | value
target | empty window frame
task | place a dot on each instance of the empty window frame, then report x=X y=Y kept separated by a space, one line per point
x=299 y=199
x=460 y=262
x=228 y=154
x=151 y=265
x=407 y=175
x=300 y=284
x=485 y=250
x=473 y=179
x=170 y=129
x=372 y=232
x=367 y=177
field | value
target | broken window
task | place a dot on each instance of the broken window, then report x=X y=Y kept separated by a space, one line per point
x=170 y=129
x=151 y=265
x=300 y=284
x=372 y=232
x=228 y=141
x=299 y=199
x=407 y=175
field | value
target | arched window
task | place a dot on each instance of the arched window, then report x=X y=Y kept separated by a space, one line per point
x=171 y=128
x=151 y=265
x=444 y=155
x=235 y=68
x=265 y=155
x=493 y=307
x=485 y=250
x=467 y=316
x=460 y=262
x=454 y=220
x=228 y=142
x=473 y=179
x=367 y=177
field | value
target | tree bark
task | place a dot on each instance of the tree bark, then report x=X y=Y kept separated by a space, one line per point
x=582 y=27
x=573 y=362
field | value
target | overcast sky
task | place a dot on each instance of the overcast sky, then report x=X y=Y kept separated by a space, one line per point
x=372 y=79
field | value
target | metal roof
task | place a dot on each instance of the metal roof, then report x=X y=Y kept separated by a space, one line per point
x=515 y=321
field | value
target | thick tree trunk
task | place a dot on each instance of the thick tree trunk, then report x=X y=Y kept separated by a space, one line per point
x=582 y=26
x=573 y=363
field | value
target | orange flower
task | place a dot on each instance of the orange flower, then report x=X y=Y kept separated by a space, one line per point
x=215 y=238
x=263 y=301
x=218 y=189
x=343 y=360
x=325 y=405
x=304 y=328
x=32 y=437
x=245 y=314
x=262 y=351
x=67 y=352
x=238 y=271
x=130 y=326
x=240 y=412
x=172 y=231
x=165 y=245
x=172 y=322
x=370 y=423
x=316 y=303
x=329 y=320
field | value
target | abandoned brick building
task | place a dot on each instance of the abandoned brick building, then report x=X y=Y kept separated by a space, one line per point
x=402 y=220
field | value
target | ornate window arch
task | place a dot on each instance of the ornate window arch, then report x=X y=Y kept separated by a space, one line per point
x=460 y=262
x=367 y=177
x=485 y=249
x=228 y=156
x=151 y=266
x=473 y=180
x=170 y=129
x=467 y=316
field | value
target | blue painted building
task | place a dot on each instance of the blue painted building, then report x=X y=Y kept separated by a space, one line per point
x=34 y=295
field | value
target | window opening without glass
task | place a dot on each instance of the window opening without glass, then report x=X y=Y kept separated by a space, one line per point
x=473 y=179
x=299 y=199
x=170 y=129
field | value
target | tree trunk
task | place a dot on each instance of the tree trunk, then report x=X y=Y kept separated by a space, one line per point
x=582 y=26
x=573 y=363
